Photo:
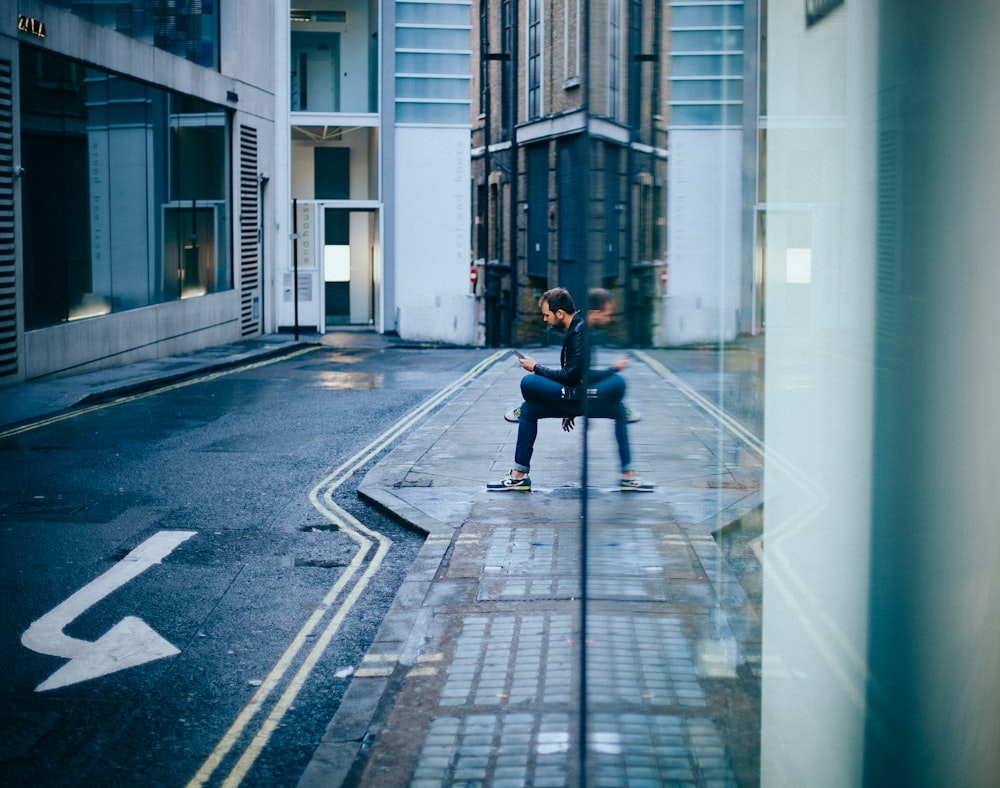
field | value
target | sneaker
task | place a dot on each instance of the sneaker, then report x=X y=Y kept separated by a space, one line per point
x=635 y=484
x=631 y=415
x=513 y=415
x=508 y=482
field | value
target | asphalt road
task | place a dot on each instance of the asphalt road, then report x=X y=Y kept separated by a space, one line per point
x=174 y=571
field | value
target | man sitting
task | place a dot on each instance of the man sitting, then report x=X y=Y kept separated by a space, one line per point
x=559 y=392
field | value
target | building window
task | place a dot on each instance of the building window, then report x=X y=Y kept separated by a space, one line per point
x=186 y=28
x=614 y=57
x=433 y=61
x=571 y=43
x=507 y=25
x=496 y=222
x=534 y=59
x=135 y=179
x=706 y=63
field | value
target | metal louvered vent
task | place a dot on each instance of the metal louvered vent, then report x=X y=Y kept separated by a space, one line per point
x=250 y=273
x=8 y=269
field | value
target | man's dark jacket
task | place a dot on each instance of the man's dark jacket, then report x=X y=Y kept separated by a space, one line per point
x=574 y=369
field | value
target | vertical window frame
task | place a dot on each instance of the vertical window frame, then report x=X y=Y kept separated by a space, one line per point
x=615 y=59
x=534 y=48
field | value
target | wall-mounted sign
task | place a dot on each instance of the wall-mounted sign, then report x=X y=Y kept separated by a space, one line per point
x=25 y=24
x=817 y=9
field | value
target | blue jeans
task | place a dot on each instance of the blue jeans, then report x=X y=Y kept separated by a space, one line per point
x=543 y=400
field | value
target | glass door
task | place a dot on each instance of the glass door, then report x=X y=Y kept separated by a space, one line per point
x=348 y=266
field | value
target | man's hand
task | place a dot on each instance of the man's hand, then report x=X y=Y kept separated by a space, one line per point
x=527 y=363
x=620 y=363
x=568 y=423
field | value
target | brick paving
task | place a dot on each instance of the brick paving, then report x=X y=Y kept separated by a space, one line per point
x=480 y=677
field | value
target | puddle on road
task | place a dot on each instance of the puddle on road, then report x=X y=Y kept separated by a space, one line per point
x=348 y=381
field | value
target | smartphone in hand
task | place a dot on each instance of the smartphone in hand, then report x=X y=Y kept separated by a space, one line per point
x=517 y=353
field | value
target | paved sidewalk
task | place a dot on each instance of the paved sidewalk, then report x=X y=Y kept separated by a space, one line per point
x=474 y=677
x=52 y=395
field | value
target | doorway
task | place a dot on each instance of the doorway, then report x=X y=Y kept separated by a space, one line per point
x=315 y=64
x=348 y=261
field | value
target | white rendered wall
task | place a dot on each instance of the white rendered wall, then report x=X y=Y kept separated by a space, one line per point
x=820 y=264
x=703 y=236
x=433 y=217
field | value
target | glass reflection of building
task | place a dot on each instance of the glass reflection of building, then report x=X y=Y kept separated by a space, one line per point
x=569 y=159
x=136 y=178
x=139 y=142
x=186 y=28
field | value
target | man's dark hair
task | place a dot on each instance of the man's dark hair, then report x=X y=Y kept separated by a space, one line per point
x=558 y=298
x=598 y=298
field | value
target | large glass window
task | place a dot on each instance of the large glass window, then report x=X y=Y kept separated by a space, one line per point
x=334 y=52
x=706 y=63
x=433 y=55
x=125 y=192
x=186 y=28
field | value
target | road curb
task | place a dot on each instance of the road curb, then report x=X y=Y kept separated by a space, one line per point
x=157 y=381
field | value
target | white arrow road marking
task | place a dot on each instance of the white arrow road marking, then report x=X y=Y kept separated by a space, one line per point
x=128 y=643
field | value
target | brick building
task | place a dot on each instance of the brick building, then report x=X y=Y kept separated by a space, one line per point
x=569 y=165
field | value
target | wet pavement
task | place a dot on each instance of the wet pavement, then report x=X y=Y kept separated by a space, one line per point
x=476 y=674
x=474 y=678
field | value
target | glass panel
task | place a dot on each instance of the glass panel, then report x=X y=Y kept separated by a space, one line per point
x=134 y=178
x=197 y=161
x=706 y=16
x=696 y=90
x=706 y=115
x=127 y=175
x=433 y=38
x=337 y=263
x=706 y=65
x=433 y=13
x=691 y=115
x=413 y=112
x=186 y=28
x=190 y=247
x=432 y=88
x=316 y=73
x=732 y=114
x=334 y=59
x=706 y=89
x=707 y=40
x=432 y=63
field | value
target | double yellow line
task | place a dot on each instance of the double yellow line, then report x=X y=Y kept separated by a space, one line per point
x=347 y=589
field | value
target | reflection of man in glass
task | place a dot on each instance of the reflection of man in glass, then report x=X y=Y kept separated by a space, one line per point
x=558 y=393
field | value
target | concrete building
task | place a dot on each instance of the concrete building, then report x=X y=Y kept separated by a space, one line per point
x=569 y=159
x=375 y=155
x=136 y=140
